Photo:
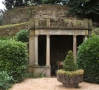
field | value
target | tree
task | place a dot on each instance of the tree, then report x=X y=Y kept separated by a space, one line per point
x=55 y=1
x=85 y=8
x=50 y=1
x=9 y=3
x=17 y=3
x=14 y=3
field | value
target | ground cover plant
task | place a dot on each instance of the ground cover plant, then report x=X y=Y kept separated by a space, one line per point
x=5 y=80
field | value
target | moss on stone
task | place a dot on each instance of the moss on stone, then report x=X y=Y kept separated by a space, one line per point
x=13 y=25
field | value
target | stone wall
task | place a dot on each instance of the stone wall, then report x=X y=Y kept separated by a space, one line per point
x=24 y=14
x=18 y=15
x=12 y=29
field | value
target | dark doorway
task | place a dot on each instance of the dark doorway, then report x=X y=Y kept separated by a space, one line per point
x=59 y=46
x=42 y=50
x=79 y=40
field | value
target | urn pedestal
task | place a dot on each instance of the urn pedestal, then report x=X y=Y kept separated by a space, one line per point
x=70 y=81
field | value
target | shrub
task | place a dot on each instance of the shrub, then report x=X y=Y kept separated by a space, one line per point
x=69 y=64
x=88 y=59
x=22 y=36
x=4 y=80
x=13 y=58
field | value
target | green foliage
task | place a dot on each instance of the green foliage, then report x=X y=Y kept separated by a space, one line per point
x=70 y=73
x=14 y=3
x=45 y=1
x=29 y=75
x=42 y=75
x=85 y=8
x=70 y=68
x=22 y=36
x=48 y=1
x=69 y=64
x=88 y=59
x=13 y=58
x=96 y=30
x=6 y=38
x=4 y=80
x=9 y=4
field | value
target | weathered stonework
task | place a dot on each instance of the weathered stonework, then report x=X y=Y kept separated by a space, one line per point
x=24 y=14
x=11 y=30
x=51 y=22
x=51 y=26
x=61 y=32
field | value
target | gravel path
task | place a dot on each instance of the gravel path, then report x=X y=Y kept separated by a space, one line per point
x=50 y=84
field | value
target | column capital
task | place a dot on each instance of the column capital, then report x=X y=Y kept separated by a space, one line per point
x=36 y=35
x=48 y=35
x=74 y=35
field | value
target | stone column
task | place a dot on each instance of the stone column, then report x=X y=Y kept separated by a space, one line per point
x=36 y=50
x=85 y=38
x=31 y=47
x=74 y=47
x=48 y=50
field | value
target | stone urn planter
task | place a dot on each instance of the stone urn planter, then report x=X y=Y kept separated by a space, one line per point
x=70 y=75
x=70 y=79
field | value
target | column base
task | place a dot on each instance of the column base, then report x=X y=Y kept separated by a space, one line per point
x=47 y=66
x=39 y=70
